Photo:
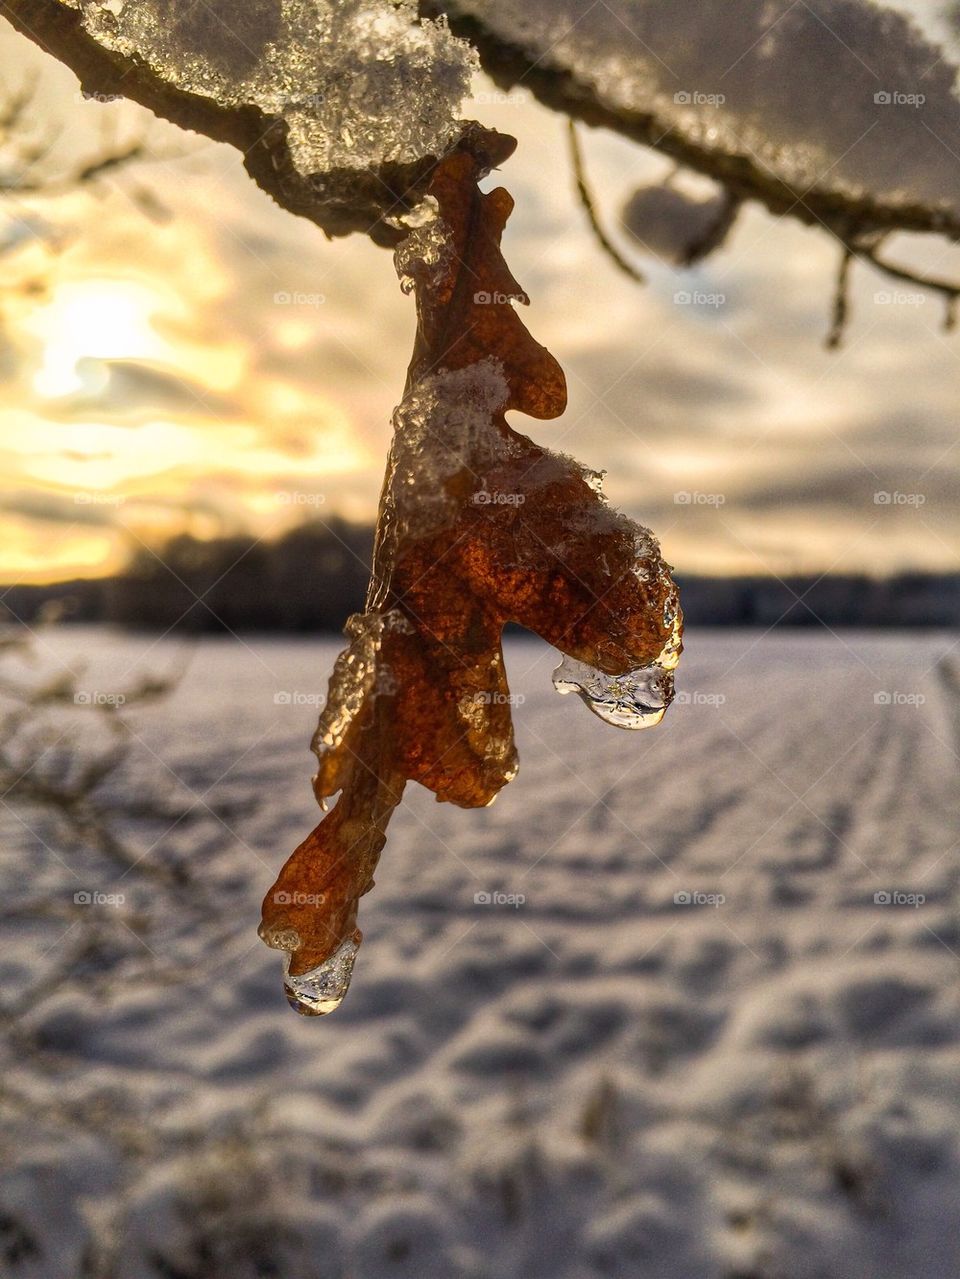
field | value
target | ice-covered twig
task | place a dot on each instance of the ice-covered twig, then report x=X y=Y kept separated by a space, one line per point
x=814 y=112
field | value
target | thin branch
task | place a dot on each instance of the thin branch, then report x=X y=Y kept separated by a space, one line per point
x=718 y=230
x=14 y=109
x=586 y=199
x=841 y=301
x=949 y=290
x=87 y=174
x=865 y=246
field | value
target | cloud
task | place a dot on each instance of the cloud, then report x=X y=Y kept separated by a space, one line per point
x=55 y=508
x=840 y=488
x=126 y=391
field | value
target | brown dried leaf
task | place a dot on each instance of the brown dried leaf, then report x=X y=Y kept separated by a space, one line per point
x=478 y=526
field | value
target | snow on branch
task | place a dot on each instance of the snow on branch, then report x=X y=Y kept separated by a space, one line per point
x=837 y=113
x=336 y=105
x=824 y=110
x=833 y=112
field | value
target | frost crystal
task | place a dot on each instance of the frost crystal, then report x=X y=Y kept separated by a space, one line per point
x=355 y=675
x=423 y=255
x=357 y=83
x=442 y=427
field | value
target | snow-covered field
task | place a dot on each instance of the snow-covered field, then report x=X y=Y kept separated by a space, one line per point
x=688 y=1041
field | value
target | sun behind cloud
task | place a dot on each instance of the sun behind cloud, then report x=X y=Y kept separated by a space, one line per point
x=86 y=320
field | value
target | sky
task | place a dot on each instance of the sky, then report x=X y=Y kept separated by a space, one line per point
x=179 y=354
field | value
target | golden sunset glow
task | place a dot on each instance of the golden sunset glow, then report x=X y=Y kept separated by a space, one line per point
x=226 y=369
x=90 y=320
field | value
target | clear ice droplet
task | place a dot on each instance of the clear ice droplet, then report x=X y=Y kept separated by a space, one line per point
x=322 y=989
x=636 y=700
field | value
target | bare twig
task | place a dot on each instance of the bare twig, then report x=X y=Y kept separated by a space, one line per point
x=715 y=234
x=865 y=247
x=841 y=301
x=948 y=289
x=586 y=199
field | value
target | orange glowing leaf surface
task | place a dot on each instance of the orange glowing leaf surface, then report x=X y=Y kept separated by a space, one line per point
x=478 y=526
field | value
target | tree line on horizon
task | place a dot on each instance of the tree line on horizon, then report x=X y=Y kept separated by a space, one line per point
x=314 y=576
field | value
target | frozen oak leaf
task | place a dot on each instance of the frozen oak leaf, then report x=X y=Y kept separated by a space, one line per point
x=478 y=527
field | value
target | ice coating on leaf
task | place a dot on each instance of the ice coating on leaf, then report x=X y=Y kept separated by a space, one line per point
x=820 y=94
x=357 y=676
x=441 y=431
x=280 y=938
x=423 y=254
x=322 y=989
x=353 y=677
x=356 y=82
x=419 y=216
x=635 y=700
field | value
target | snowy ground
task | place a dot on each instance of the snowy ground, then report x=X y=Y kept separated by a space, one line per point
x=699 y=1047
